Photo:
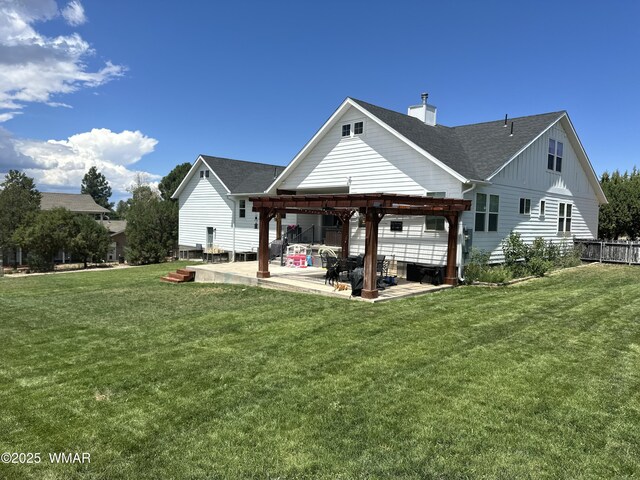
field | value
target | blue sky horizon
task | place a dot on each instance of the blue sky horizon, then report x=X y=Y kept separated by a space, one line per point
x=142 y=87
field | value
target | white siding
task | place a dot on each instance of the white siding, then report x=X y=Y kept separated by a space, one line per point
x=377 y=161
x=204 y=203
x=527 y=177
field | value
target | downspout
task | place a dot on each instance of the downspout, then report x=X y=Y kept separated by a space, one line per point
x=233 y=228
x=461 y=227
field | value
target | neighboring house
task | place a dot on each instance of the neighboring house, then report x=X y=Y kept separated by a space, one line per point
x=118 y=239
x=527 y=174
x=215 y=212
x=74 y=202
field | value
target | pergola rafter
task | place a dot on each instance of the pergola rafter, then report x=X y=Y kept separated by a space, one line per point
x=374 y=206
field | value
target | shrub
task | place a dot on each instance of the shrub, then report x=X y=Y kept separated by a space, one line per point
x=478 y=263
x=538 y=266
x=497 y=274
x=39 y=263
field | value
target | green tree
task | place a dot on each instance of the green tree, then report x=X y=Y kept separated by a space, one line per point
x=621 y=216
x=49 y=232
x=151 y=227
x=122 y=207
x=90 y=240
x=19 y=201
x=169 y=183
x=95 y=184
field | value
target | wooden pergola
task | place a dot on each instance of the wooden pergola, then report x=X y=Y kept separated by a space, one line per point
x=374 y=206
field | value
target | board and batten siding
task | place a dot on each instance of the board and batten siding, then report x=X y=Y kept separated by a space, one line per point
x=527 y=176
x=377 y=161
x=203 y=203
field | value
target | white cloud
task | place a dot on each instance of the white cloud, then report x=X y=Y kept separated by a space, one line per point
x=73 y=13
x=34 y=67
x=61 y=164
x=8 y=116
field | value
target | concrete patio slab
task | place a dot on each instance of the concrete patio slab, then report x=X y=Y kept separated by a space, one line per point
x=305 y=280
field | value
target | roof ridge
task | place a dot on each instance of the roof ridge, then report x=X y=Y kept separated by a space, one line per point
x=242 y=161
x=511 y=119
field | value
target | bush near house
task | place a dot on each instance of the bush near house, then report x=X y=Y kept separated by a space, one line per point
x=521 y=260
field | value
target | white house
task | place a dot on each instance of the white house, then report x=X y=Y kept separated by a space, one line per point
x=527 y=174
x=215 y=212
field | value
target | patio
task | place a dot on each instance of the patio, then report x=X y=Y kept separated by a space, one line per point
x=305 y=280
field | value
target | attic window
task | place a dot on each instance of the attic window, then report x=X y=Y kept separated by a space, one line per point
x=206 y=173
x=346 y=130
x=554 y=159
x=201 y=173
x=358 y=128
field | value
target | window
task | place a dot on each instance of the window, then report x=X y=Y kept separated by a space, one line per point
x=358 y=128
x=242 y=208
x=525 y=206
x=554 y=159
x=210 y=235
x=543 y=204
x=564 y=217
x=395 y=226
x=434 y=223
x=206 y=173
x=487 y=219
x=201 y=173
x=346 y=130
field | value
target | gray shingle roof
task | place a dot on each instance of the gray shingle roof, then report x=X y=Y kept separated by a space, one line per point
x=75 y=202
x=115 y=226
x=474 y=151
x=240 y=176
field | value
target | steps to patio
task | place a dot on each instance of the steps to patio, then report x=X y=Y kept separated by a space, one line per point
x=179 y=276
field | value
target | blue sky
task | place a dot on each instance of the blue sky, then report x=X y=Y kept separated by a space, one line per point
x=153 y=84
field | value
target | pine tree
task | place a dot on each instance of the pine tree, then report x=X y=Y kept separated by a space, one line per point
x=95 y=184
x=19 y=201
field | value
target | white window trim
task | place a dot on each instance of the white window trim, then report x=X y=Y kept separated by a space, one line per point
x=240 y=208
x=564 y=232
x=435 y=194
x=525 y=213
x=555 y=157
x=541 y=213
x=352 y=126
x=486 y=213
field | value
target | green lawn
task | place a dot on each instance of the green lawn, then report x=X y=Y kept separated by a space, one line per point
x=536 y=380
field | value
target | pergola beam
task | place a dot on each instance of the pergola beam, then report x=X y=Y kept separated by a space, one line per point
x=373 y=206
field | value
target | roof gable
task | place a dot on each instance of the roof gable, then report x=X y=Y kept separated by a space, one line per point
x=237 y=176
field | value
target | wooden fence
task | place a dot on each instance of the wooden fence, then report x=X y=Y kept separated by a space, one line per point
x=610 y=251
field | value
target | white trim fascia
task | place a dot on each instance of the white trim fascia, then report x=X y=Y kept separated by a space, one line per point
x=348 y=102
x=585 y=158
x=418 y=149
x=310 y=144
x=595 y=183
x=248 y=194
x=186 y=178
x=189 y=174
x=526 y=146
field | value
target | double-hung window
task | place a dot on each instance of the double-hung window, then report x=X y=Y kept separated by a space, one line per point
x=434 y=223
x=525 y=206
x=564 y=217
x=242 y=208
x=554 y=158
x=487 y=211
x=350 y=130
